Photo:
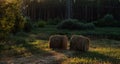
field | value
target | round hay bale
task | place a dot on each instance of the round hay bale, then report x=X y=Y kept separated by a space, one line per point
x=58 y=42
x=79 y=42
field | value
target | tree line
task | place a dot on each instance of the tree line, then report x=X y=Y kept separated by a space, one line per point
x=81 y=9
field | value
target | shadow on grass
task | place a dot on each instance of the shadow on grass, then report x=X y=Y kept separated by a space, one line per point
x=91 y=55
x=39 y=52
x=34 y=49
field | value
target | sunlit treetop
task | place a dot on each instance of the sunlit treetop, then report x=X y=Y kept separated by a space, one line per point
x=11 y=1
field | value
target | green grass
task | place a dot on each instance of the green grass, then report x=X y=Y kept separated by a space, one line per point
x=98 y=29
x=101 y=52
x=104 y=32
x=104 y=51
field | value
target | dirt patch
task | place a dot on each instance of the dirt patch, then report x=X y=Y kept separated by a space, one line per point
x=53 y=58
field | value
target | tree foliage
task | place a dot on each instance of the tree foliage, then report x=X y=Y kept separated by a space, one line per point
x=11 y=19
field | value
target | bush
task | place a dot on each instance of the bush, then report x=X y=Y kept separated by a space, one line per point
x=41 y=24
x=68 y=24
x=19 y=23
x=54 y=21
x=86 y=26
x=19 y=41
x=90 y=26
x=73 y=24
x=28 y=25
x=3 y=35
x=11 y=19
x=22 y=34
x=107 y=21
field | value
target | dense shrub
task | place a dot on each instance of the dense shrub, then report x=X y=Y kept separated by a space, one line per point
x=19 y=41
x=3 y=35
x=73 y=24
x=11 y=19
x=107 y=21
x=21 y=34
x=69 y=24
x=19 y=23
x=53 y=21
x=90 y=26
x=41 y=24
x=28 y=25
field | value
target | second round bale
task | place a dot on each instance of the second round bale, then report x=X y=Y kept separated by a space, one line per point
x=79 y=43
x=58 y=42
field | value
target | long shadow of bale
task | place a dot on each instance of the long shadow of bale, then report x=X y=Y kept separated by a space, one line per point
x=34 y=49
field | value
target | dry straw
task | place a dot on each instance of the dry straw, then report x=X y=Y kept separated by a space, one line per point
x=79 y=43
x=58 y=42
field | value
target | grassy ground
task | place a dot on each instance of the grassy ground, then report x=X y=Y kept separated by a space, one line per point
x=101 y=52
x=105 y=32
x=25 y=48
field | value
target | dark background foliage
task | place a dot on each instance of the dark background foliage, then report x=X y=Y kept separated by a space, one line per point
x=89 y=10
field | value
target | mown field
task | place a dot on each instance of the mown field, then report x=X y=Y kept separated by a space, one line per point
x=34 y=48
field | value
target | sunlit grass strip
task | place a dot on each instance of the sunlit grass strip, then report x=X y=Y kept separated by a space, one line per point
x=20 y=50
x=41 y=44
x=95 y=56
x=112 y=52
x=84 y=61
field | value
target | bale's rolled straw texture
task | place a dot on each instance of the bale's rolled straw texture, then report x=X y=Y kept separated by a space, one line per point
x=79 y=43
x=58 y=42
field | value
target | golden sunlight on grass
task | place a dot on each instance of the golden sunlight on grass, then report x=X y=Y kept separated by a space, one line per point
x=95 y=56
x=98 y=54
